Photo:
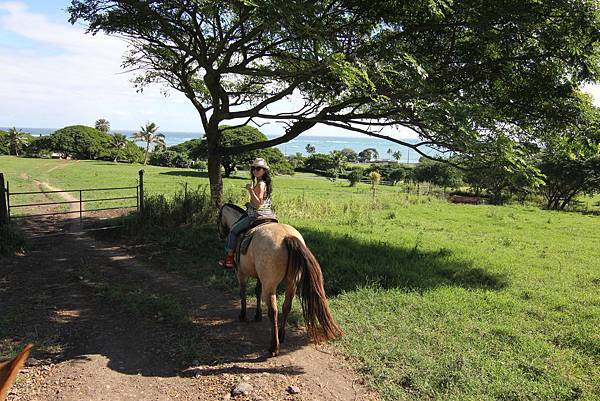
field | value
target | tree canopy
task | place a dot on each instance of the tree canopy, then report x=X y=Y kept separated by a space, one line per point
x=235 y=136
x=81 y=142
x=458 y=73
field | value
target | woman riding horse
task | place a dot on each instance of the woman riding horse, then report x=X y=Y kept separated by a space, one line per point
x=278 y=253
x=259 y=207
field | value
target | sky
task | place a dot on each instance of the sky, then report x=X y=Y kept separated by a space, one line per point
x=52 y=75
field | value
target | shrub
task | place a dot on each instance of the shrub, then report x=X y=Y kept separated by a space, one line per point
x=39 y=146
x=319 y=162
x=185 y=207
x=199 y=165
x=398 y=174
x=169 y=158
x=355 y=176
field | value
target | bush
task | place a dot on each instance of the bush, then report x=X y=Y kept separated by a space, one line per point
x=319 y=162
x=169 y=158
x=39 y=146
x=199 y=165
x=356 y=175
x=398 y=174
x=185 y=207
x=133 y=153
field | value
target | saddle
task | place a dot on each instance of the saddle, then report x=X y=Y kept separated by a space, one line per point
x=246 y=236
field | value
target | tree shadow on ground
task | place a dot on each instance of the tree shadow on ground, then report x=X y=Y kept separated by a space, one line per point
x=186 y=173
x=74 y=297
x=349 y=264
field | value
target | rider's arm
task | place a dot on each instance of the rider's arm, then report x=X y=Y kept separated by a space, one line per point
x=257 y=194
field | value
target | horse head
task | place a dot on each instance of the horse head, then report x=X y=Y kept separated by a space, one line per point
x=229 y=213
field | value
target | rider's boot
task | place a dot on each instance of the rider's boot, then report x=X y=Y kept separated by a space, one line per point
x=228 y=262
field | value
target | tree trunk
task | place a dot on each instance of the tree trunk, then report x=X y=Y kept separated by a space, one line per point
x=214 y=166
x=146 y=155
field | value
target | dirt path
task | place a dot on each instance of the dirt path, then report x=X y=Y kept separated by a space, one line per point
x=109 y=325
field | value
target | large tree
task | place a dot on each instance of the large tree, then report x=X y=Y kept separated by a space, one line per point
x=458 y=73
x=570 y=161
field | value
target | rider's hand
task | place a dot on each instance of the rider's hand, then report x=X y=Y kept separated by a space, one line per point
x=249 y=187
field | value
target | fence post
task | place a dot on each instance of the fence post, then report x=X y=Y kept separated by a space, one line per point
x=80 y=206
x=141 y=191
x=3 y=202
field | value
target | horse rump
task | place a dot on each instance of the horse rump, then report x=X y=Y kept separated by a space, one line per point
x=306 y=270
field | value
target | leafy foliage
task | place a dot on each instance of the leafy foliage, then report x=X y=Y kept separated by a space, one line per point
x=438 y=173
x=350 y=155
x=14 y=141
x=458 y=73
x=81 y=142
x=356 y=175
x=169 y=158
x=102 y=125
x=368 y=155
x=40 y=146
x=570 y=162
x=148 y=134
x=235 y=136
x=319 y=162
x=4 y=148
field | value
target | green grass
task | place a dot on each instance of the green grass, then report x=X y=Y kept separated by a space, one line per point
x=438 y=301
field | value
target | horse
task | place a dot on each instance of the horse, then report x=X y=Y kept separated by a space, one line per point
x=278 y=253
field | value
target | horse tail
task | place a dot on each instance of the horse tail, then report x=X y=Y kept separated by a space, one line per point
x=305 y=269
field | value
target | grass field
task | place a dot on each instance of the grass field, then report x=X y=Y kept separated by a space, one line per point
x=438 y=301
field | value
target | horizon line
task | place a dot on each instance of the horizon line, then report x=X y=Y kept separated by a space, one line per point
x=116 y=131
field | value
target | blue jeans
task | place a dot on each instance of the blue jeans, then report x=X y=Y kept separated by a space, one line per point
x=235 y=231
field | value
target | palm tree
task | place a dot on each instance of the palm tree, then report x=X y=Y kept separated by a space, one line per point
x=310 y=149
x=339 y=161
x=102 y=125
x=389 y=152
x=118 y=142
x=397 y=155
x=148 y=134
x=16 y=140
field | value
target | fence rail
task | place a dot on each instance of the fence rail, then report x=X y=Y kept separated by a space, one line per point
x=6 y=207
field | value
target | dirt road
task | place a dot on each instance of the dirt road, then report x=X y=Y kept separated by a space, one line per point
x=110 y=324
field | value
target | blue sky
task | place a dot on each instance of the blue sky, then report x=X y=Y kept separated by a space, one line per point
x=53 y=75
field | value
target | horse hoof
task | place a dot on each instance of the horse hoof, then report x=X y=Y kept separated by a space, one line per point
x=243 y=318
x=273 y=353
x=257 y=318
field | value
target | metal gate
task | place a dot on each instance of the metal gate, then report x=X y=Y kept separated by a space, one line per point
x=7 y=198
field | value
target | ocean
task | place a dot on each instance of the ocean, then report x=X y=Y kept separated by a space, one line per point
x=322 y=144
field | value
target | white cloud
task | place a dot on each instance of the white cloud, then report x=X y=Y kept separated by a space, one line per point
x=79 y=81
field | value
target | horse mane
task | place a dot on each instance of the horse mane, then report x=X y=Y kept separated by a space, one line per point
x=234 y=206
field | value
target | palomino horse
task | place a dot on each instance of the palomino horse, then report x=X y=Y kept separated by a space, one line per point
x=278 y=253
